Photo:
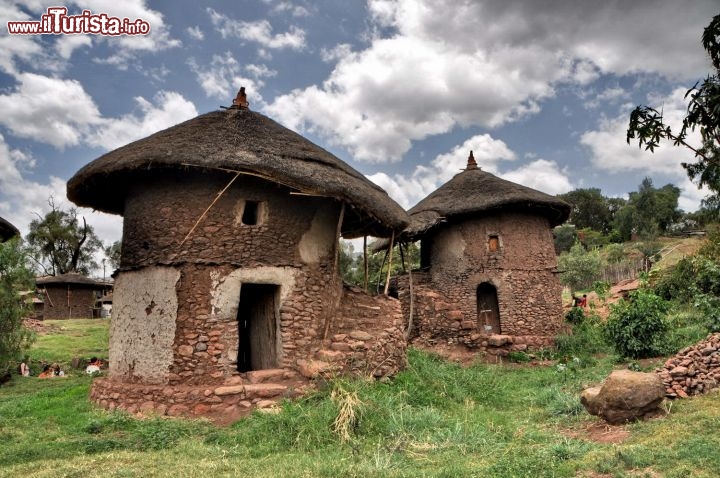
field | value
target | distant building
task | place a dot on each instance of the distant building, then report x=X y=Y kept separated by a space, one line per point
x=70 y=296
x=488 y=275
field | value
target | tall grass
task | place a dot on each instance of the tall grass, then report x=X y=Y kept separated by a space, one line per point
x=434 y=419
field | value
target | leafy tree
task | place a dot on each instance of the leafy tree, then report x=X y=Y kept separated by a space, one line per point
x=14 y=277
x=59 y=244
x=649 y=211
x=590 y=209
x=564 y=237
x=112 y=252
x=579 y=268
x=648 y=126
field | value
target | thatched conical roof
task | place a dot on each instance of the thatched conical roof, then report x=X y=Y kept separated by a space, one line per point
x=474 y=192
x=240 y=140
x=7 y=230
x=69 y=278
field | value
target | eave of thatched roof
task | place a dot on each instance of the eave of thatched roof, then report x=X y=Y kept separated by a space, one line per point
x=476 y=192
x=7 y=230
x=70 y=278
x=245 y=141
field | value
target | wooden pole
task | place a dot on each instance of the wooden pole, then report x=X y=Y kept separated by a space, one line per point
x=192 y=229
x=387 y=279
x=365 y=264
x=412 y=305
x=331 y=313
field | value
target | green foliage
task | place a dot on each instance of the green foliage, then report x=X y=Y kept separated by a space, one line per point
x=590 y=209
x=564 y=237
x=575 y=315
x=586 y=339
x=352 y=267
x=614 y=253
x=648 y=212
x=14 y=278
x=59 y=244
x=113 y=254
x=579 y=268
x=637 y=327
x=648 y=126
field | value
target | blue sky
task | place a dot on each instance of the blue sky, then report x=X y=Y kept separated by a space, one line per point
x=400 y=89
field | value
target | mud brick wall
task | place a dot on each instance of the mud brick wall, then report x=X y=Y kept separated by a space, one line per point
x=522 y=270
x=68 y=301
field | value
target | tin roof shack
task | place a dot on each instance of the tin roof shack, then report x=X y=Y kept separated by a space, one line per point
x=7 y=230
x=228 y=284
x=69 y=296
x=488 y=276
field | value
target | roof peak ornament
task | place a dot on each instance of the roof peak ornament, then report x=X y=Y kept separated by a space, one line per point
x=471 y=164
x=240 y=101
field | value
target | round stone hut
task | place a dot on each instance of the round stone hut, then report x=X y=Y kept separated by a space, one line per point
x=488 y=275
x=228 y=291
x=70 y=296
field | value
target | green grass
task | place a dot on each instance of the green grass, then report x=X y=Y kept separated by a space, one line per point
x=434 y=419
x=66 y=339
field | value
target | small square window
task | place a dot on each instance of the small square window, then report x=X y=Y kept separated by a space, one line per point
x=493 y=243
x=252 y=213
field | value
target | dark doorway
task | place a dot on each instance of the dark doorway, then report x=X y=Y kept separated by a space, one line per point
x=488 y=311
x=257 y=327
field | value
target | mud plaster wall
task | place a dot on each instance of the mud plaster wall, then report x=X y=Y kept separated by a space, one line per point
x=523 y=272
x=68 y=301
x=142 y=329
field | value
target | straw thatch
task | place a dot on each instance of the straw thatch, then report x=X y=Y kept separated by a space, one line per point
x=246 y=141
x=7 y=230
x=473 y=192
x=69 y=278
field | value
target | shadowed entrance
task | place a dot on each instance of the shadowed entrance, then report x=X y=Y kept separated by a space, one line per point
x=257 y=327
x=488 y=310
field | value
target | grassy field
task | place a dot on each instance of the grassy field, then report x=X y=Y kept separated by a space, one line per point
x=434 y=419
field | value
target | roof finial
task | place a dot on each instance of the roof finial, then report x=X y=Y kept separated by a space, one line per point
x=240 y=101
x=471 y=162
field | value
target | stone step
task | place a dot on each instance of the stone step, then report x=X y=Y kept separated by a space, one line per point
x=267 y=375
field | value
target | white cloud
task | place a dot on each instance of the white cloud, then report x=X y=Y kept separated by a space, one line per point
x=23 y=200
x=195 y=33
x=67 y=44
x=543 y=175
x=434 y=65
x=260 y=31
x=408 y=190
x=294 y=10
x=612 y=95
x=38 y=109
x=170 y=108
x=223 y=78
x=328 y=55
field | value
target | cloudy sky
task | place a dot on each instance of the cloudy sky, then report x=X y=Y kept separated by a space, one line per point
x=400 y=89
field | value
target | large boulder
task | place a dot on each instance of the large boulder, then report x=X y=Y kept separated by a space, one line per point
x=625 y=396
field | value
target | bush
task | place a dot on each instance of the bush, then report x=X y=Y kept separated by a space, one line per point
x=575 y=315
x=585 y=340
x=637 y=327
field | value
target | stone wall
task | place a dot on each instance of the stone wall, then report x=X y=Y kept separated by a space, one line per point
x=437 y=320
x=522 y=270
x=160 y=212
x=68 y=301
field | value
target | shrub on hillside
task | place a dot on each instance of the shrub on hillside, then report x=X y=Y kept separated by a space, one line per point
x=637 y=327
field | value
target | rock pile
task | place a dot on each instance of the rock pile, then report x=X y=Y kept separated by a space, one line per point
x=693 y=370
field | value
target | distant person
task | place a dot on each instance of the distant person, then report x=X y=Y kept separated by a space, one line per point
x=583 y=301
x=47 y=372
x=24 y=370
x=57 y=371
x=93 y=366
